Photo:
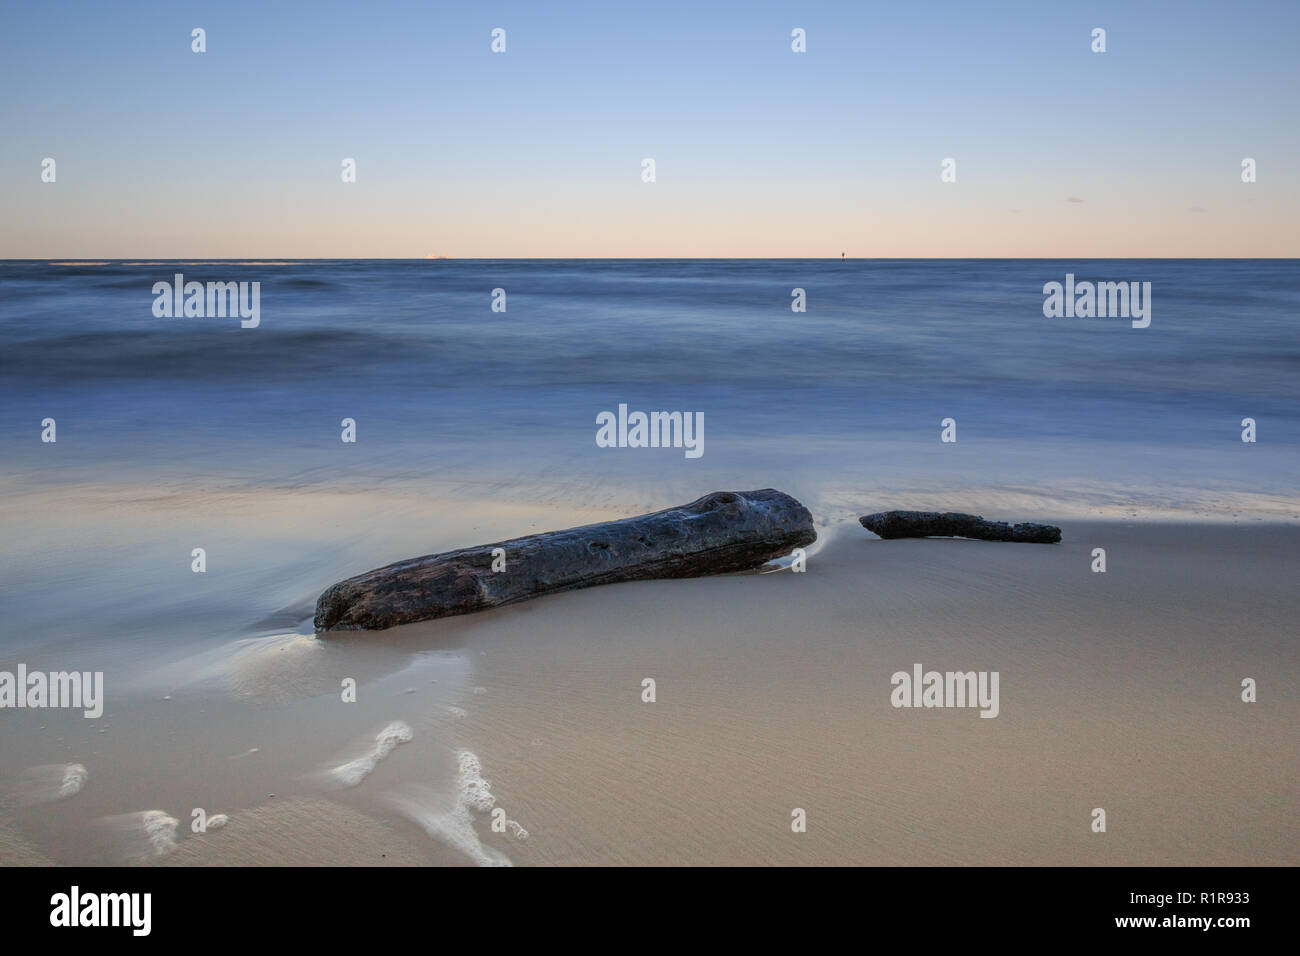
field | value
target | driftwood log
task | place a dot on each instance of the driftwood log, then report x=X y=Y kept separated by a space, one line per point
x=721 y=532
x=953 y=524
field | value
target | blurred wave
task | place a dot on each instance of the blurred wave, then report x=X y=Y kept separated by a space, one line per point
x=414 y=346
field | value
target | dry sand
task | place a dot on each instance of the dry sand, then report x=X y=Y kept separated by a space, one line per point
x=1118 y=690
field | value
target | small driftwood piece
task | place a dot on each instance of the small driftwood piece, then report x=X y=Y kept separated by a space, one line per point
x=953 y=524
x=722 y=532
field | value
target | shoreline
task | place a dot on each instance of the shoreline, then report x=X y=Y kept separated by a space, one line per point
x=1118 y=689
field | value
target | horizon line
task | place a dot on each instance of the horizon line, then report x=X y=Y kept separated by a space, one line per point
x=91 y=260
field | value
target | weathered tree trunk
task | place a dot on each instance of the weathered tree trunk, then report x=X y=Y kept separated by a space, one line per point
x=925 y=524
x=721 y=532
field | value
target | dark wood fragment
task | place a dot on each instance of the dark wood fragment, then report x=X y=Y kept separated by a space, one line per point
x=954 y=524
x=722 y=532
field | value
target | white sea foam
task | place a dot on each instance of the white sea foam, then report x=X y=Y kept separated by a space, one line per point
x=278 y=666
x=354 y=771
x=50 y=782
x=146 y=835
x=160 y=829
x=454 y=825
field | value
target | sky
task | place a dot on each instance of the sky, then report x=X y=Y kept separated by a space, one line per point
x=759 y=151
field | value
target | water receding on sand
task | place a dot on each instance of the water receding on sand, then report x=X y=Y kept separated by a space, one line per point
x=455 y=818
x=353 y=771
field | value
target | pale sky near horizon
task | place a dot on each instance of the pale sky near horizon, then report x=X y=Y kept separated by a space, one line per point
x=759 y=151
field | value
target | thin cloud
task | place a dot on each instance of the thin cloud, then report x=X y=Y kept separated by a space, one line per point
x=1074 y=199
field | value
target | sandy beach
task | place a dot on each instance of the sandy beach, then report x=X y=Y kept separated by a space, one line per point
x=746 y=435
x=1119 y=690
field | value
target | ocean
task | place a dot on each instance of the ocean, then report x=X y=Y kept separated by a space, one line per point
x=437 y=380
x=443 y=392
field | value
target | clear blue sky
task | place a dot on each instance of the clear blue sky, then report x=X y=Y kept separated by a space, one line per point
x=236 y=152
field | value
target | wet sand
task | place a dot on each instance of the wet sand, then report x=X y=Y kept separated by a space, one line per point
x=1119 y=690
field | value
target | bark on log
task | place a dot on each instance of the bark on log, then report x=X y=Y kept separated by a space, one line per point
x=925 y=524
x=722 y=532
